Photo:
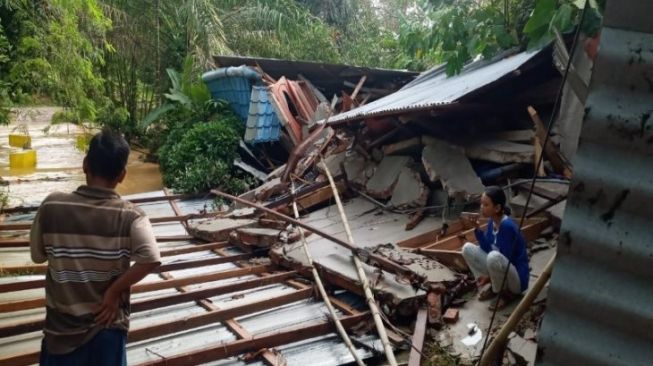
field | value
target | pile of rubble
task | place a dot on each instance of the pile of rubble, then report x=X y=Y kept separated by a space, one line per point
x=407 y=164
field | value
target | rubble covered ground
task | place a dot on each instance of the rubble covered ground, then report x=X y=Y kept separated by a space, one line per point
x=408 y=156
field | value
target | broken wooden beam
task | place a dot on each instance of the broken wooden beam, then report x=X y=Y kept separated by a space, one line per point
x=213 y=316
x=193 y=248
x=499 y=340
x=210 y=292
x=373 y=258
x=150 y=286
x=149 y=304
x=284 y=336
x=203 y=262
x=362 y=277
x=417 y=343
x=320 y=286
x=560 y=163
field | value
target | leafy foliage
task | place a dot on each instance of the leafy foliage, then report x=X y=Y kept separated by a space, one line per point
x=454 y=32
x=549 y=17
x=201 y=157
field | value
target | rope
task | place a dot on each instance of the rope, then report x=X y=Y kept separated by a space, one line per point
x=539 y=163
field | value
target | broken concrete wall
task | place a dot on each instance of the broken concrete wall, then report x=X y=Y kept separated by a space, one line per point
x=448 y=164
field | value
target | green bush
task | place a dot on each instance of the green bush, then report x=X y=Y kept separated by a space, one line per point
x=116 y=118
x=198 y=158
x=66 y=116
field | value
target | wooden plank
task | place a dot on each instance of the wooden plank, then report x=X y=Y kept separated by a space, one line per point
x=358 y=87
x=14 y=243
x=215 y=276
x=177 y=210
x=210 y=292
x=174 y=238
x=285 y=336
x=21 y=285
x=560 y=163
x=143 y=305
x=216 y=316
x=20 y=327
x=203 y=262
x=193 y=248
x=24 y=243
x=30 y=358
x=536 y=159
x=32 y=284
x=432 y=236
x=24 y=269
x=231 y=324
x=415 y=357
x=16 y=226
x=22 y=305
x=531 y=230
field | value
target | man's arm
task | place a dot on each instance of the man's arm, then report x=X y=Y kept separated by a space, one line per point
x=109 y=308
x=145 y=254
x=36 y=246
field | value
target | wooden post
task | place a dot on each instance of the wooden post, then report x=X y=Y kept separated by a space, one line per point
x=320 y=287
x=362 y=277
x=523 y=306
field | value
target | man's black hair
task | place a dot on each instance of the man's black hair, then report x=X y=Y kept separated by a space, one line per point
x=107 y=154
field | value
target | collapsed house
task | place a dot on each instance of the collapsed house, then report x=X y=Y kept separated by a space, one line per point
x=407 y=154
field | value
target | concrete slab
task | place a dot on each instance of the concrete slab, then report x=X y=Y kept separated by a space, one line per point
x=409 y=191
x=218 y=229
x=334 y=163
x=253 y=236
x=447 y=163
x=502 y=152
x=523 y=350
x=357 y=169
x=370 y=227
x=429 y=268
x=386 y=175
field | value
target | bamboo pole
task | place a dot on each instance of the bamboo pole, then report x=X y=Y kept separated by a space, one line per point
x=362 y=277
x=499 y=341
x=320 y=287
x=384 y=263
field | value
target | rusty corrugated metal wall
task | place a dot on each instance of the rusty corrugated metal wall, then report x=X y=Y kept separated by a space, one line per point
x=600 y=307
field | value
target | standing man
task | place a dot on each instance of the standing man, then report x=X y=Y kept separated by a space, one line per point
x=89 y=237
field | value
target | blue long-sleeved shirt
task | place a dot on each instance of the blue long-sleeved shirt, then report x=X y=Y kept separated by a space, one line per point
x=507 y=236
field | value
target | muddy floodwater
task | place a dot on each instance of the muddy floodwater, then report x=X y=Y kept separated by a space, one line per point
x=59 y=160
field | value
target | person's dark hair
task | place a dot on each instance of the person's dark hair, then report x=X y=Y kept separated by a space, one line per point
x=107 y=154
x=498 y=197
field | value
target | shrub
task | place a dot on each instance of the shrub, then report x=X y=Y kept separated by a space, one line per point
x=200 y=157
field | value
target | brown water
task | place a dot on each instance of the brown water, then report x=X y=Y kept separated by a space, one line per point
x=59 y=160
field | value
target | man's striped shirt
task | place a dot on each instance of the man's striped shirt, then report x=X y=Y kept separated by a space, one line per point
x=88 y=237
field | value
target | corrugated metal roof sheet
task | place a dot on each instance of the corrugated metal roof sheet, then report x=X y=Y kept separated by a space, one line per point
x=262 y=122
x=600 y=300
x=233 y=84
x=327 y=77
x=434 y=89
x=331 y=350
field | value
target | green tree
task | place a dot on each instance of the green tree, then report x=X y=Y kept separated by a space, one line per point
x=55 y=48
x=454 y=32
